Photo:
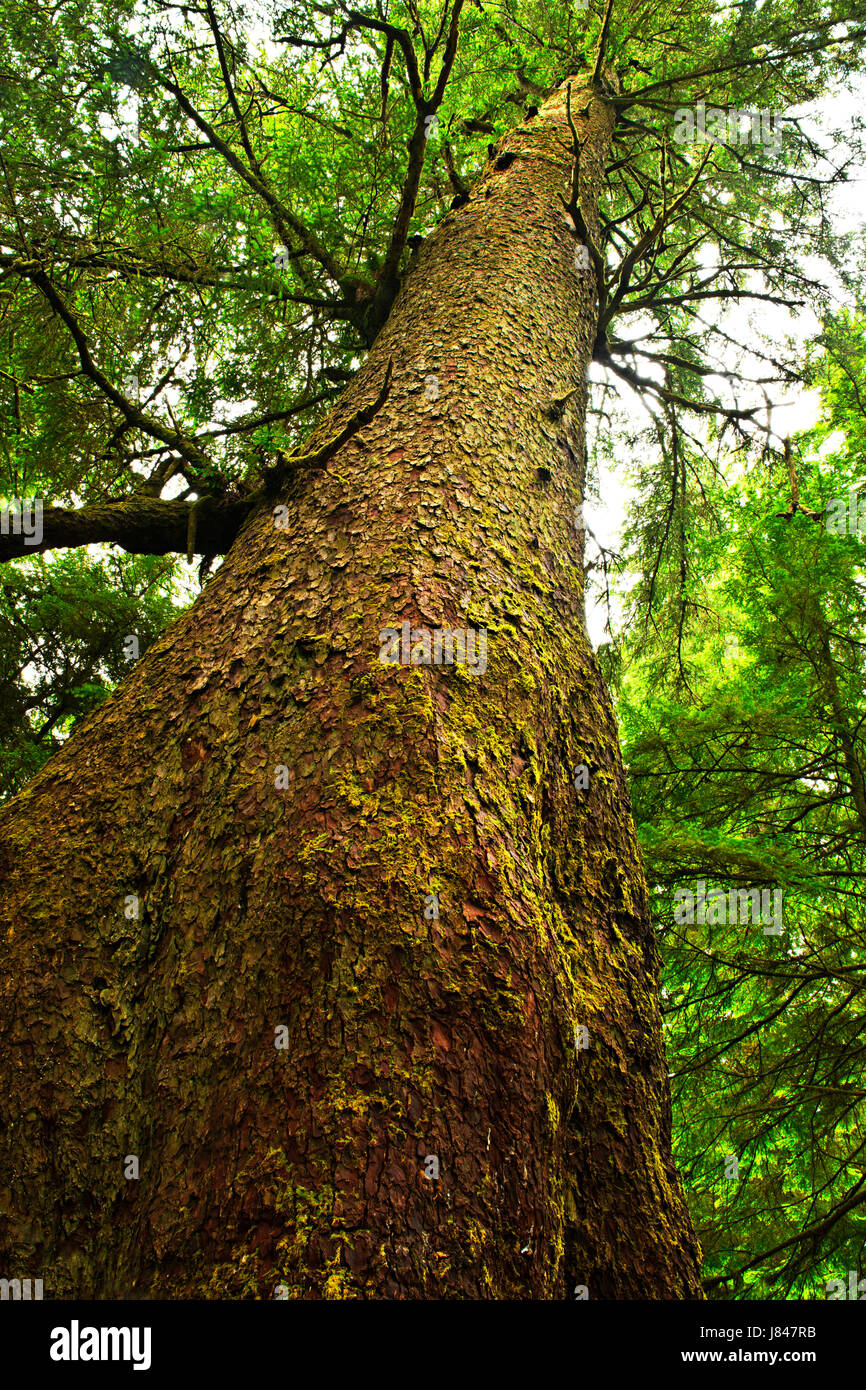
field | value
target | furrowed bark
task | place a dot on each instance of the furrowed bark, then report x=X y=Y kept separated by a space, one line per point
x=172 y=900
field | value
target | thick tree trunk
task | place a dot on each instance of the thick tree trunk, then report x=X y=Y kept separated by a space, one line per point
x=304 y=916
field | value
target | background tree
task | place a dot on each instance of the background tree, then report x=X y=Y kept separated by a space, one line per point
x=743 y=730
x=64 y=630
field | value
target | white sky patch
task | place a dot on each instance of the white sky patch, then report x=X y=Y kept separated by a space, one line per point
x=792 y=409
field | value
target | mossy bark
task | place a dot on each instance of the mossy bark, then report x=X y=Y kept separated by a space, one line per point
x=170 y=914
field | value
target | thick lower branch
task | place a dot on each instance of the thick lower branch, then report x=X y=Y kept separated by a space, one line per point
x=141 y=525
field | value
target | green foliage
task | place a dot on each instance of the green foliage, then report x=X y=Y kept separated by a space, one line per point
x=62 y=628
x=743 y=707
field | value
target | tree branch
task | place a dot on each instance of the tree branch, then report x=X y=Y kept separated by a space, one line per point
x=140 y=524
x=135 y=417
x=290 y=464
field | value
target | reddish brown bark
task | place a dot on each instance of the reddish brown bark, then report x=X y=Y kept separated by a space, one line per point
x=304 y=908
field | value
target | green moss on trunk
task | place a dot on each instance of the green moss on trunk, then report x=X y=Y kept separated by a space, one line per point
x=261 y=909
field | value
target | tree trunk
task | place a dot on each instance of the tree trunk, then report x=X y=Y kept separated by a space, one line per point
x=244 y=984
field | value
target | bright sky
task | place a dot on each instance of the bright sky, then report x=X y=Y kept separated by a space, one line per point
x=794 y=411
